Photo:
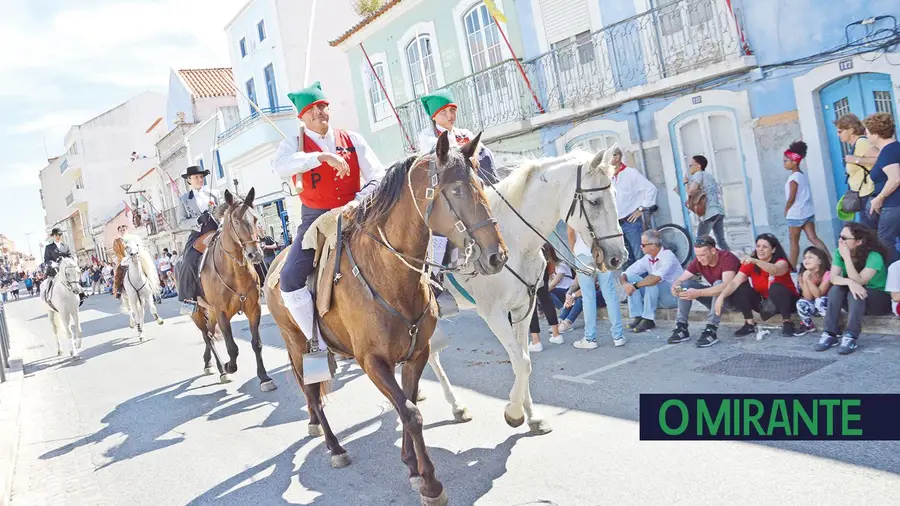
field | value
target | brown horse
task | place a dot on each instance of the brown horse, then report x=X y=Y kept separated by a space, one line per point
x=382 y=312
x=231 y=285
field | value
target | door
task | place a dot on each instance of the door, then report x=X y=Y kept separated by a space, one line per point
x=860 y=94
x=714 y=134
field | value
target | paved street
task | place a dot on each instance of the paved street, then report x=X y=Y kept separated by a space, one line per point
x=137 y=423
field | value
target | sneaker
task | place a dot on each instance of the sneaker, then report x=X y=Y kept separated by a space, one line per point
x=803 y=329
x=620 y=341
x=848 y=345
x=680 y=334
x=708 y=337
x=535 y=347
x=644 y=326
x=746 y=330
x=634 y=323
x=826 y=341
x=787 y=329
x=585 y=344
x=565 y=326
x=557 y=339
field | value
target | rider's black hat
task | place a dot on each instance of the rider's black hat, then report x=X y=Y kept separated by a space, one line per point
x=194 y=170
x=55 y=231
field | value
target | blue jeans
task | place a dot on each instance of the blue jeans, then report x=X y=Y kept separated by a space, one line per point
x=632 y=233
x=888 y=226
x=607 y=282
x=644 y=301
x=863 y=216
x=572 y=313
x=558 y=296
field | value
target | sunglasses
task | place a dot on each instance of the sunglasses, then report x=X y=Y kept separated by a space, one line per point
x=704 y=241
x=644 y=245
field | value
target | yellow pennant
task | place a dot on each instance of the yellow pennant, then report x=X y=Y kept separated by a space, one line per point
x=492 y=8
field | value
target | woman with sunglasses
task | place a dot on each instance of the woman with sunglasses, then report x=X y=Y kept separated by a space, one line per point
x=858 y=277
x=769 y=274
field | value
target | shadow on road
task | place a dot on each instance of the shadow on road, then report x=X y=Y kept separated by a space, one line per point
x=85 y=353
x=363 y=482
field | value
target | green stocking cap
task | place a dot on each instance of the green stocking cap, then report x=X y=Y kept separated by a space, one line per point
x=307 y=97
x=437 y=101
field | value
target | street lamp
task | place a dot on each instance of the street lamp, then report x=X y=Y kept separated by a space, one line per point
x=126 y=187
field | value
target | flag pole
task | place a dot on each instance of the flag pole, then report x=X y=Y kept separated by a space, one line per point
x=516 y=59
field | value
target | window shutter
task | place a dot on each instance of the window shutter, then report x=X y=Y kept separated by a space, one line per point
x=565 y=18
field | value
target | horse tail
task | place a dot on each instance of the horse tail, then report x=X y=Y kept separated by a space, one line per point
x=149 y=269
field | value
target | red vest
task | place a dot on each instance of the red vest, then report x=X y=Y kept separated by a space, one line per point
x=321 y=187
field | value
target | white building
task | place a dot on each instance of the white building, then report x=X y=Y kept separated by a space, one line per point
x=201 y=103
x=87 y=179
x=267 y=42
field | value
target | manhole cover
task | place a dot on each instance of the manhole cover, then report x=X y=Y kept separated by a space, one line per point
x=770 y=367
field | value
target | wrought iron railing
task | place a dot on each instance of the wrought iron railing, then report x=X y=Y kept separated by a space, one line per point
x=167 y=219
x=651 y=46
x=250 y=120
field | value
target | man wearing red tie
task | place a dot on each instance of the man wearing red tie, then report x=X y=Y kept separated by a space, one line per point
x=337 y=169
x=648 y=282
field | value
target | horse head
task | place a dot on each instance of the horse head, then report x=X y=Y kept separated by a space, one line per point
x=458 y=208
x=68 y=266
x=239 y=224
x=593 y=211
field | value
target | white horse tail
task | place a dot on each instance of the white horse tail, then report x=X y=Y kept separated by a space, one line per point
x=149 y=269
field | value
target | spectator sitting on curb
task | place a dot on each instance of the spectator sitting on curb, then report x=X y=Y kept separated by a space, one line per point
x=718 y=268
x=815 y=282
x=648 y=282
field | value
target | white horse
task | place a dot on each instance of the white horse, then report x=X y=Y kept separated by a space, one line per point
x=62 y=304
x=141 y=284
x=544 y=192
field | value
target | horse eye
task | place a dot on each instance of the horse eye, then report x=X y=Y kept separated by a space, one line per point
x=457 y=191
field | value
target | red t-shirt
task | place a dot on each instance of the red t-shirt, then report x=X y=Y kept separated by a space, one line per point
x=727 y=262
x=760 y=280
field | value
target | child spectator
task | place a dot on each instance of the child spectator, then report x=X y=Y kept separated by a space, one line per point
x=798 y=210
x=814 y=281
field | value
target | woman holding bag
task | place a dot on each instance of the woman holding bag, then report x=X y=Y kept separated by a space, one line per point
x=859 y=163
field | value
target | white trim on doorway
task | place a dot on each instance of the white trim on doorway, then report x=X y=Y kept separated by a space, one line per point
x=620 y=128
x=812 y=121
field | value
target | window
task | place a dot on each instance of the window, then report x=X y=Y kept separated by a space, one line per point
x=672 y=13
x=271 y=90
x=251 y=94
x=483 y=39
x=243 y=44
x=220 y=171
x=377 y=99
x=883 y=102
x=79 y=183
x=85 y=223
x=842 y=107
x=73 y=149
x=574 y=51
x=261 y=30
x=593 y=143
x=419 y=56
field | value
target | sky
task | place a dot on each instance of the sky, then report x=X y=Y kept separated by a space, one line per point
x=67 y=61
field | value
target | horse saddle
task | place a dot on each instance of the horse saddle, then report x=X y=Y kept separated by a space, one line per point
x=323 y=237
x=203 y=241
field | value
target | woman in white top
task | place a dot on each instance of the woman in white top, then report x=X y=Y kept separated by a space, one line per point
x=798 y=208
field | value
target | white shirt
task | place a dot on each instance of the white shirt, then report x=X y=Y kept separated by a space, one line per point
x=567 y=280
x=803 y=204
x=892 y=284
x=289 y=161
x=201 y=196
x=665 y=265
x=14 y=285
x=164 y=264
x=633 y=190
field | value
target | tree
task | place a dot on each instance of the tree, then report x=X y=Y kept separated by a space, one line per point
x=366 y=8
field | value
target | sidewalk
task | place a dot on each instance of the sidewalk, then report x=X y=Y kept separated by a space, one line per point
x=10 y=405
x=47 y=396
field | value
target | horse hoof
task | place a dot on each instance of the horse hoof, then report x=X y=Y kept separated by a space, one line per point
x=339 y=461
x=207 y=371
x=78 y=343
x=540 y=427
x=440 y=500
x=224 y=379
x=513 y=420
x=267 y=386
x=315 y=430
x=462 y=415
x=416 y=482
x=231 y=368
x=131 y=325
x=160 y=321
x=421 y=397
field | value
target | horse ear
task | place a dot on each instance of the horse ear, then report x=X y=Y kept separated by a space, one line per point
x=469 y=149
x=442 y=150
x=229 y=198
x=597 y=161
x=250 y=196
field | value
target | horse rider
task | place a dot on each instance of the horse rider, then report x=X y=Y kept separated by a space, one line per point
x=194 y=214
x=118 y=248
x=332 y=164
x=53 y=253
x=441 y=108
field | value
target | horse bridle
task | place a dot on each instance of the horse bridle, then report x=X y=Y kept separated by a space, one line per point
x=237 y=239
x=578 y=199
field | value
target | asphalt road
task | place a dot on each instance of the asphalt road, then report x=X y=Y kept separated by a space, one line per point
x=137 y=423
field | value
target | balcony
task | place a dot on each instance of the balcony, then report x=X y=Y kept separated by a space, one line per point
x=664 y=48
x=163 y=221
x=254 y=131
x=76 y=198
x=71 y=165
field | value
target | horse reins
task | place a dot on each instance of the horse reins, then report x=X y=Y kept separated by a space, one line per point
x=241 y=263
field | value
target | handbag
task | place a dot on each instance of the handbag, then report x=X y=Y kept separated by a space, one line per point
x=851 y=201
x=767 y=309
x=696 y=203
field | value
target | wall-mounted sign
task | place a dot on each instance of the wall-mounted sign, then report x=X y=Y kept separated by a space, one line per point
x=844 y=65
x=696 y=100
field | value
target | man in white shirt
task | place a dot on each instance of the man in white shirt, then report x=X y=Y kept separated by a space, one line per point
x=648 y=282
x=338 y=169
x=634 y=195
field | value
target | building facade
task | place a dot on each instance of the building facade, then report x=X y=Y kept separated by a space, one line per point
x=268 y=42
x=733 y=80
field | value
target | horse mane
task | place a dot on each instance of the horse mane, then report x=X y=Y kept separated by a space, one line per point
x=375 y=210
x=514 y=185
x=149 y=269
